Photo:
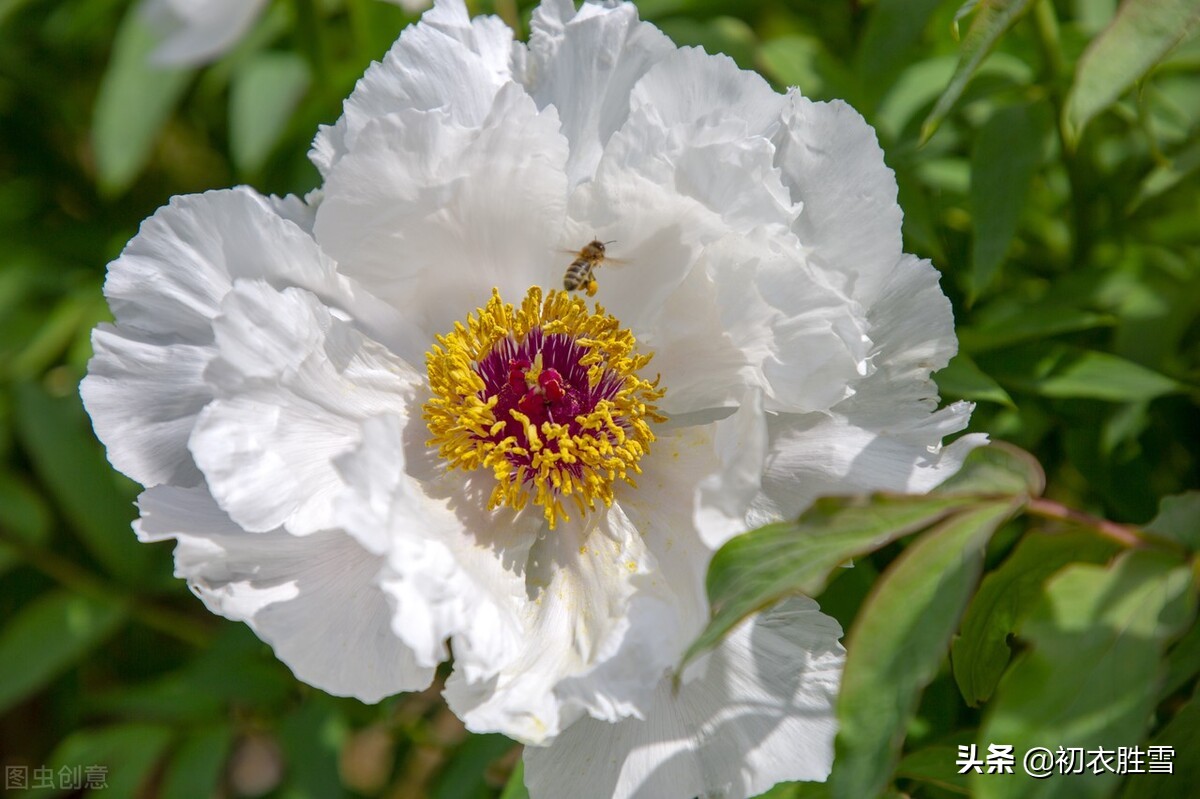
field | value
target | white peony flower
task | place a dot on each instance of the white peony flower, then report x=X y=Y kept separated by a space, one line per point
x=380 y=430
x=198 y=31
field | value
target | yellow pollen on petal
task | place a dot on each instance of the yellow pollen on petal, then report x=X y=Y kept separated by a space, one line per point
x=547 y=397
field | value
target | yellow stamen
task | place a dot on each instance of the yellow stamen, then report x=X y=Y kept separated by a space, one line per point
x=548 y=461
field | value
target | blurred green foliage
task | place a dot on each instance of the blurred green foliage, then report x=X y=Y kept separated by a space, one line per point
x=1047 y=155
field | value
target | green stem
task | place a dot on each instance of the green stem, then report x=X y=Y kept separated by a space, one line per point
x=72 y=576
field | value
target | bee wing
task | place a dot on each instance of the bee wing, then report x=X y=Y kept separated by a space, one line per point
x=616 y=263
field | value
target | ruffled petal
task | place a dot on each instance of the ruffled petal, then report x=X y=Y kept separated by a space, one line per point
x=582 y=582
x=197 y=31
x=453 y=571
x=145 y=384
x=832 y=164
x=313 y=599
x=143 y=397
x=294 y=384
x=754 y=313
x=762 y=713
x=685 y=170
x=888 y=435
x=431 y=214
x=585 y=64
x=447 y=61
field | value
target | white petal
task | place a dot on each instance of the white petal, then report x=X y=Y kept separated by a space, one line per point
x=446 y=61
x=685 y=170
x=197 y=31
x=832 y=163
x=583 y=579
x=312 y=599
x=170 y=279
x=762 y=713
x=453 y=571
x=295 y=383
x=145 y=383
x=753 y=312
x=887 y=437
x=430 y=214
x=585 y=65
x=821 y=455
x=143 y=397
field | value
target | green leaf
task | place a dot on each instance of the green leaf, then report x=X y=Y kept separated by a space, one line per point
x=465 y=775
x=47 y=636
x=23 y=515
x=1092 y=674
x=515 y=787
x=934 y=765
x=755 y=570
x=1165 y=177
x=1182 y=736
x=134 y=102
x=893 y=28
x=1183 y=662
x=1006 y=156
x=981 y=651
x=195 y=769
x=794 y=60
x=1179 y=519
x=992 y=19
x=728 y=35
x=265 y=91
x=1008 y=323
x=1062 y=371
x=1137 y=39
x=58 y=438
x=236 y=668
x=312 y=737
x=963 y=379
x=897 y=643
x=125 y=755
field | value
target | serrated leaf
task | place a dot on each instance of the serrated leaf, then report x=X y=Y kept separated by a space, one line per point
x=195 y=768
x=56 y=434
x=992 y=19
x=981 y=651
x=755 y=570
x=265 y=91
x=1006 y=156
x=47 y=636
x=897 y=642
x=1142 y=32
x=124 y=755
x=963 y=379
x=134 y=101
x=1066 y=372
x=1179 y=519
x=1091 y=676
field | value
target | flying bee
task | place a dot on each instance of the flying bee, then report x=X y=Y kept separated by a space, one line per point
x=581 y=272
